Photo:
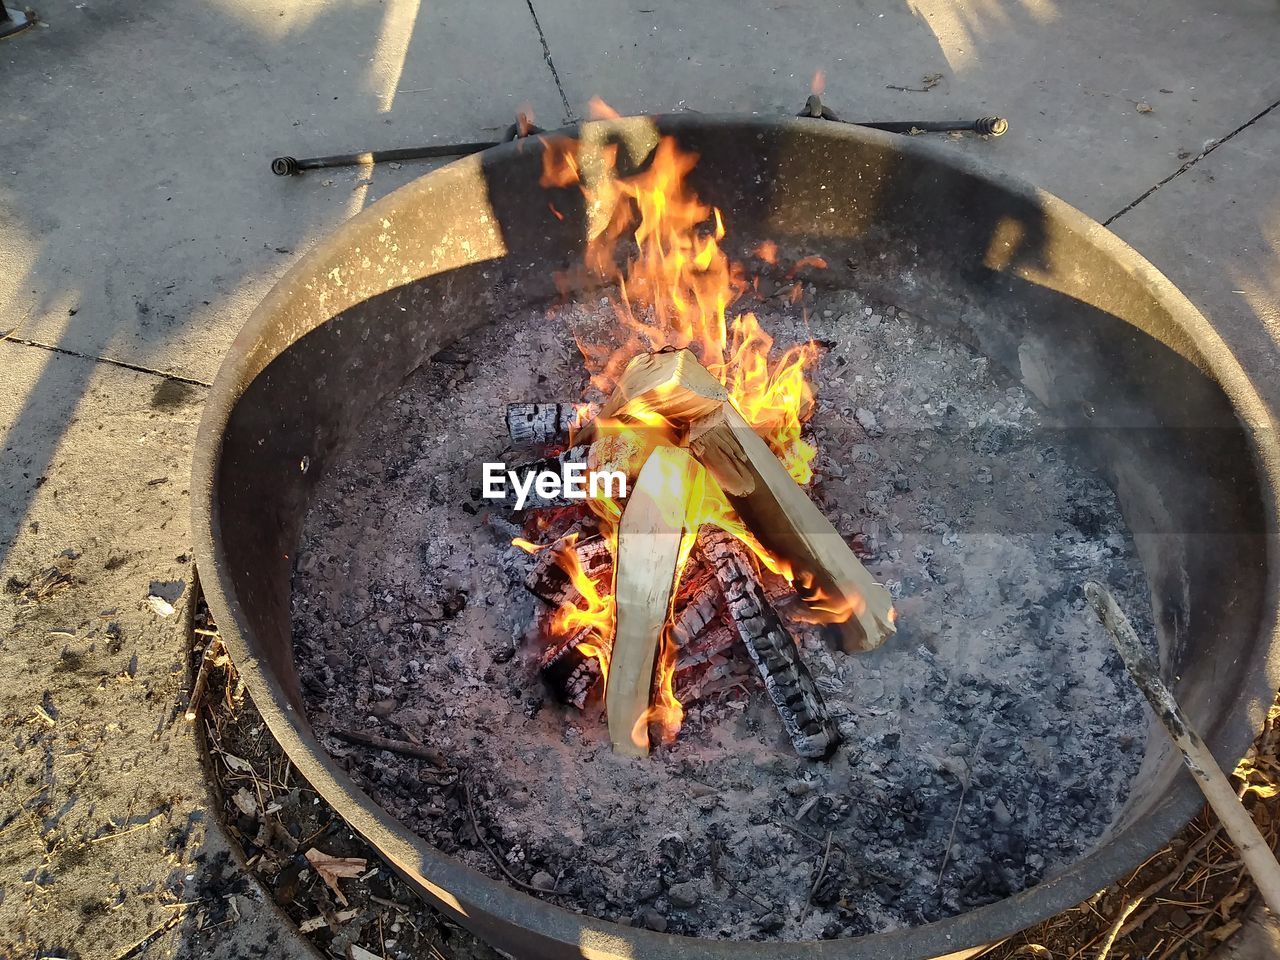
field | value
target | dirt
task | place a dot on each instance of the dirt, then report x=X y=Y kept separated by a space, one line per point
x=989 y=742
x=108 y=846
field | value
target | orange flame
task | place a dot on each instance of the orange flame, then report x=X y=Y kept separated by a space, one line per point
x=675 y=289
x=819 y=84
x=595 y=615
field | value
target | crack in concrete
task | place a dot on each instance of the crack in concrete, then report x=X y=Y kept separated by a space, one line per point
x=569 y=115
x=1190 y=163
x=137 y=368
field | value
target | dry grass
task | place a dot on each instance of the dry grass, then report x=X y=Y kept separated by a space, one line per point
x=278 y=821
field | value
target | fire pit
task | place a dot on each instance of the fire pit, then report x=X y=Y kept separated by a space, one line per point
x=967 y=306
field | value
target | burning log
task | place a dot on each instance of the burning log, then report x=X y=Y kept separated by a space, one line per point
x=544 y=424
x=671 y=383
x=547 y=579
x=649 y=536
x=787 y=680
x=826 y=573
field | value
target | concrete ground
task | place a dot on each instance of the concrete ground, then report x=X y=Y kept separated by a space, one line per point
x=139 y=225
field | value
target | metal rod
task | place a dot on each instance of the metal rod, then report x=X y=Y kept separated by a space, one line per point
x=990 y=126
x=288 y=166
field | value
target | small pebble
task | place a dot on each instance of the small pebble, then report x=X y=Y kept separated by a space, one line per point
x=543 y=880
x=684 y=895
x=653 y=920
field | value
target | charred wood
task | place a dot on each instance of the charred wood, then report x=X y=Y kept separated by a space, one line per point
x=773 y=650
x=715 y=638
x=544 y=424
x=703 y=601
x=548 y=580
x=528 y=473
x=570 y=673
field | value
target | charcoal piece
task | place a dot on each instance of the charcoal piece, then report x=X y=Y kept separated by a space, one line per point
x=705 y=600
x=829 y=883
x=570 y=673
x=552 y=464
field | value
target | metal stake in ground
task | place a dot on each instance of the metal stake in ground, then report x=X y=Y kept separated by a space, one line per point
x=1235 y=819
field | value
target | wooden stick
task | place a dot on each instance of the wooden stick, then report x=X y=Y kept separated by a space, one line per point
x=826 y=573
x=649 y=536
x=696 y=411
x=202 y=677
x=1235 y=819
x=404 y=747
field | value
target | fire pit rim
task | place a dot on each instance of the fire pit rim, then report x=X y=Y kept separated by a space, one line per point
x=498 y=910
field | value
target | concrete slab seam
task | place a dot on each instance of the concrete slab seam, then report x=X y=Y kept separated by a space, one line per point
x=137 y=368
x=569 y=116
x=1191 y=163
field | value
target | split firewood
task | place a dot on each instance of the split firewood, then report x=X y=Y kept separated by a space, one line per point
x=671 y=383
x=827 y=575
x=773 y=650
x=649 y=536
x=825 y=572
x=545 y=424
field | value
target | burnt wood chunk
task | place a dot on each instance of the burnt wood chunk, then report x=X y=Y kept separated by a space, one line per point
x=553 y=464
x=715 y=639
x=544 y=424
x=547 y=579
x=773 y=650
x=570 y=673
x=703 y=601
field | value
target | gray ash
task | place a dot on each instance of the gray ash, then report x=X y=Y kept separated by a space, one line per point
x=990 y=742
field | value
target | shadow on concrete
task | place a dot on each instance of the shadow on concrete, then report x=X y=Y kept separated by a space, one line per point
x=151 y=243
